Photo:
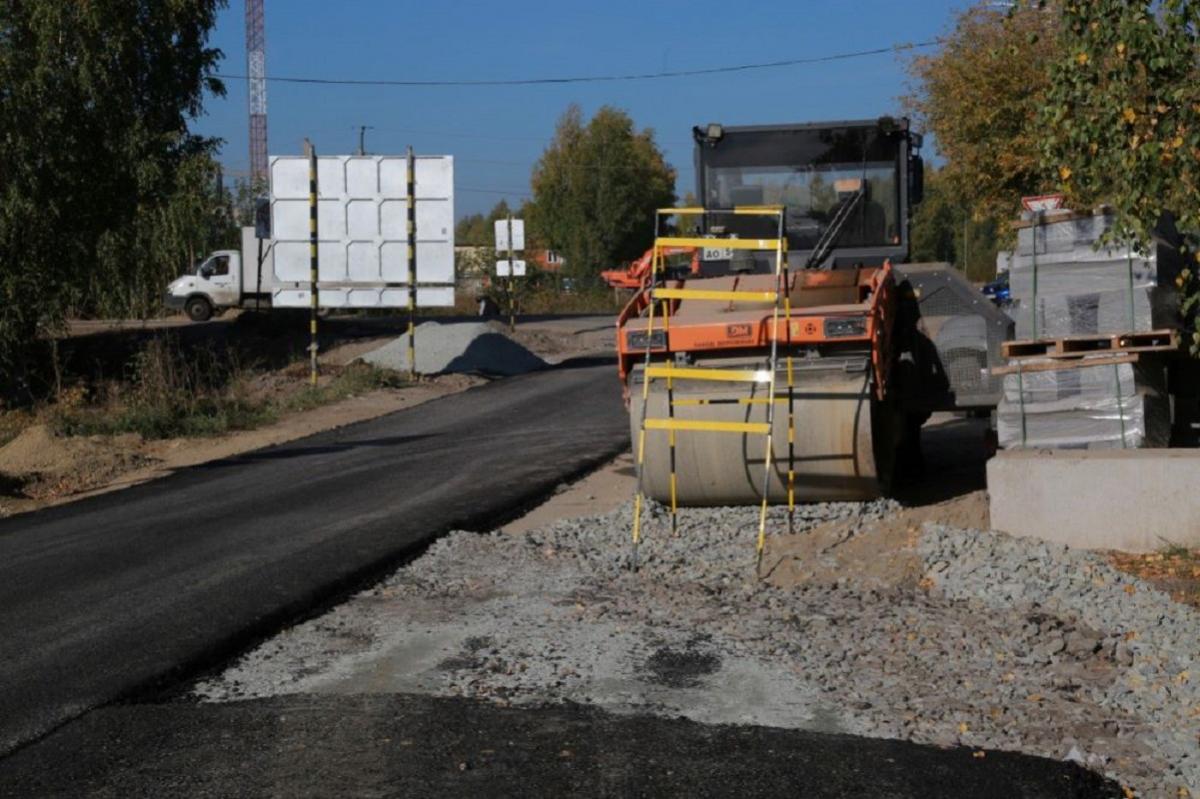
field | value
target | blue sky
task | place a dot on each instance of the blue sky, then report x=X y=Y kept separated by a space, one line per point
x=496 y=133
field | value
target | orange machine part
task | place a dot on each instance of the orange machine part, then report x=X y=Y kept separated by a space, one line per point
x=697 y=326
x=634 y=276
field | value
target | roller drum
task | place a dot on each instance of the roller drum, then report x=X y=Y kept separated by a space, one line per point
x=843 y=450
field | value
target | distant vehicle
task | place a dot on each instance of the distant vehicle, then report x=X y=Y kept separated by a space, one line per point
x=226 y=279
x=998 y=291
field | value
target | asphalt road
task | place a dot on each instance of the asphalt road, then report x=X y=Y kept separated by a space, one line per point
x=109 y=597
x=399 y=745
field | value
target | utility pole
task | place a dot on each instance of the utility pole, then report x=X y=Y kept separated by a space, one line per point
x=362 y=138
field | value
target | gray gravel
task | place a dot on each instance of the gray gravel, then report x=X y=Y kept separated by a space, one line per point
x=1004 y=644
x=458 y=347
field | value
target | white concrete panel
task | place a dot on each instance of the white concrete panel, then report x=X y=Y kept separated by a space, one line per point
x=362 y=219
x=435 y=262
x=435 y=220
x=393 y=176
x=362 y=262
x=291 y=261
x=364 y=298
x=331 y=220
x=331 y=261
x=393 y=219
x=289 y=220
x=331 y=177
x=393 y=262
x=362 y=178
x=289 y=178
x=427 y=297
x=363 y=227
x=435 y=177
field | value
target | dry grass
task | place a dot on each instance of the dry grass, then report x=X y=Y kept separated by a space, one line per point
x=171 y=393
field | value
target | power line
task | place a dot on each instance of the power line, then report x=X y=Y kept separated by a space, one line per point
x=685 y=73
x=529 y=165
x=522 y=192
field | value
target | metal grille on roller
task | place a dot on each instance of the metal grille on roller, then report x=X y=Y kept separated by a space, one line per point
x=965 y=328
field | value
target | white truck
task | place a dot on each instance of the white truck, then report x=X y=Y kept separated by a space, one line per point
x=227 y=279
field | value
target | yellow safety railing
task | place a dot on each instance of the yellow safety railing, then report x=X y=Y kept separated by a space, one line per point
x=671 y=372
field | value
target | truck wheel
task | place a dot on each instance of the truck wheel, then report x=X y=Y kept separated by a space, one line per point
x=198 y=309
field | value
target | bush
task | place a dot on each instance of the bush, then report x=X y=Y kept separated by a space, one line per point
x=170 y=394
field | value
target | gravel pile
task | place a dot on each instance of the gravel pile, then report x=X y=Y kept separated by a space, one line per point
x=458 y=347
x=1152 y=643
x=995 y=643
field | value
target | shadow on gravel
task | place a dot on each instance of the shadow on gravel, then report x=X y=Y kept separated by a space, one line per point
x=400 y=745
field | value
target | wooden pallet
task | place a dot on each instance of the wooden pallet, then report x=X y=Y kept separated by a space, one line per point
x=1023 y=366
x=1075 y=346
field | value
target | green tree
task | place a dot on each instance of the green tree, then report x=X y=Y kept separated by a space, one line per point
x=1122 y=117
x=478 y=230
x=595 y=189
x=944 y=231
x=935 y=223
x=980 y=95
x=103 y=191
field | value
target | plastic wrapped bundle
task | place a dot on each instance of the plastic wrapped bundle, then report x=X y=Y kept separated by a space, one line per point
x=1063 y=285
x=1063 y=235
x=1089 y=313
x=1106 y=406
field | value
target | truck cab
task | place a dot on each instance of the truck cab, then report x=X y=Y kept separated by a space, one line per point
x=225 y=279
x=214 y=284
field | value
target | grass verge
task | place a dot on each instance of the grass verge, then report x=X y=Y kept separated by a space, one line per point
x=172 y=394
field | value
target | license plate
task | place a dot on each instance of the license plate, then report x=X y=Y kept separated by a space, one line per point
x=716 y=254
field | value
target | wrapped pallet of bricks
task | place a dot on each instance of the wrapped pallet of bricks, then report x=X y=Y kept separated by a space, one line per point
x=1064 y=283
x=1109 y=405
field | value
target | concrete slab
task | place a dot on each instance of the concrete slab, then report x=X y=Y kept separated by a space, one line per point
x=1136 y=500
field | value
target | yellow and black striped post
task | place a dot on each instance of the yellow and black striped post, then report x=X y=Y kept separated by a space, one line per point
x=671 y=416
x=313 y=263
x=412 y=264
x=791 y=400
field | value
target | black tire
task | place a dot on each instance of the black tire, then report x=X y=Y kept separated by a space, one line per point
x=198 y=309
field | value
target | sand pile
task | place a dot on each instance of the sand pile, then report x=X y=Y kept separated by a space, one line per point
x=460 y=347
x=35 y=451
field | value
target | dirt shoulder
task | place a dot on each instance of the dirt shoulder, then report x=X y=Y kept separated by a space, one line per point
x=42 y=469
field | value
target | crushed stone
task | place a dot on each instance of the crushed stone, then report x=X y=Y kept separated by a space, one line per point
x=986 y=641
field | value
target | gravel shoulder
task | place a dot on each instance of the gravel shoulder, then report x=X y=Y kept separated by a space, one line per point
x=901 y=621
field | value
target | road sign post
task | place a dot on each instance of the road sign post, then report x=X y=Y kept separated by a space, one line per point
x=510 y=237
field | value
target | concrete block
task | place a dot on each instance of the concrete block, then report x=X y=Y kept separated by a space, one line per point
x=1135 y=500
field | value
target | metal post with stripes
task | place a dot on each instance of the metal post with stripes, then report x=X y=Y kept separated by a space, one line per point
x=412 y=263
x=313 y=262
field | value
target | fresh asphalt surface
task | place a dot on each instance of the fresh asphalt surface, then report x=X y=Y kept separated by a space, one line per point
x=109 y=596
x=418 y=746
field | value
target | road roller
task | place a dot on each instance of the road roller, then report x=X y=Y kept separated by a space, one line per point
x=794 y=364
